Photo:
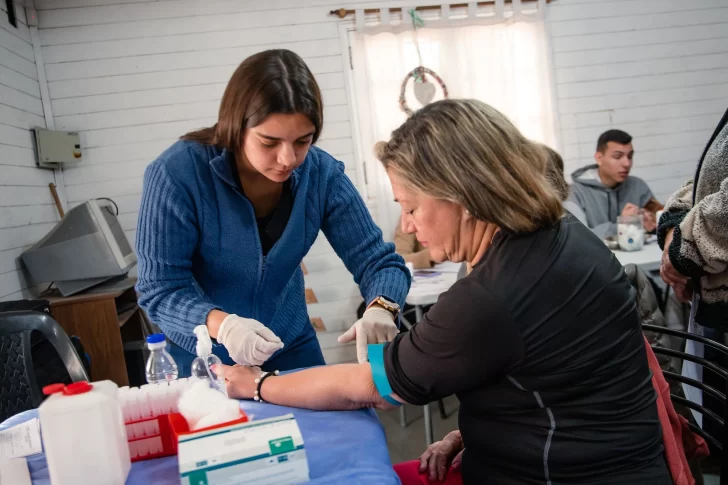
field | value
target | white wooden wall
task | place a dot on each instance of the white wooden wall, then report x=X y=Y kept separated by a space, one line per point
x=133 y=75
x=657 y=69
x=26 y=207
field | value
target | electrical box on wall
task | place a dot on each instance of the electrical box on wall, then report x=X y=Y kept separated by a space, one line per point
x=56 y=148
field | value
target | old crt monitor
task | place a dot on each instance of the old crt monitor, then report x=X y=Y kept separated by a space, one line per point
x=86 y=248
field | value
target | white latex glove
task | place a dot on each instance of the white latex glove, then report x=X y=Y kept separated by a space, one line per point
x=248 y=341
x=375 y=327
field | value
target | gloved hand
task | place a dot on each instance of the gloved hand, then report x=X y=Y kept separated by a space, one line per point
x=248 y=341
x=376 y=326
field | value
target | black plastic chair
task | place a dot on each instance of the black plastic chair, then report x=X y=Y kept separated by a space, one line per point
x=717 y=443
x=19 y=390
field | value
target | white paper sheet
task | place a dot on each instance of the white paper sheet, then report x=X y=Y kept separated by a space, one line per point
x=448 y=267
x=14 y=472
x=20 y=440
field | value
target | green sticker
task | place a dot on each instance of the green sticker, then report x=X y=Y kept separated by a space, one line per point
x=198 y=477
x=281 y=445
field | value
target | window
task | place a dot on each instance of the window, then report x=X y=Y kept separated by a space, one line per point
x=505 y=65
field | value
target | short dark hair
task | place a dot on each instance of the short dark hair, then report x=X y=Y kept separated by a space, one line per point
x=617 y=136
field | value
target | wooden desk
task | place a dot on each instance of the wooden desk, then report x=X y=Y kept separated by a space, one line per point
x=103 y=318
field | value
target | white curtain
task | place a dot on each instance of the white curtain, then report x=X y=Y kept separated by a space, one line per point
x=505 y=65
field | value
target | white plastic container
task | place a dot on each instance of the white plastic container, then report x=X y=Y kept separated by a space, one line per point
x=112 y=392
x=83 y=435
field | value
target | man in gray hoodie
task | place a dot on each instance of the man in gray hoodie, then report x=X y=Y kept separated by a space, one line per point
x=606 y=190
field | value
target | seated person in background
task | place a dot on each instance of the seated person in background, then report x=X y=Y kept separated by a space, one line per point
x=606 y=190
x=551 y=389
x=407 y=246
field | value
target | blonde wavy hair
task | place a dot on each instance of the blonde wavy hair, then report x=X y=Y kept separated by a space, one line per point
x=467 y=152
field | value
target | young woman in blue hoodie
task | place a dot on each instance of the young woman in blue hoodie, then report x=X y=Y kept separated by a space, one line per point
x=229 y=212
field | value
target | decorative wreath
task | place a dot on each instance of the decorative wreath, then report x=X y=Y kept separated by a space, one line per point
x=418 y=74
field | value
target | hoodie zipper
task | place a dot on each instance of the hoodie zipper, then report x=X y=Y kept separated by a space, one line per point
x=260 y=285
x=260 y=247
x=609 y=205
x=263 y=257
x=616 y=192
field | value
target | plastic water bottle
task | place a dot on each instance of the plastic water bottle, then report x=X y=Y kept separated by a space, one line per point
x=161 y=367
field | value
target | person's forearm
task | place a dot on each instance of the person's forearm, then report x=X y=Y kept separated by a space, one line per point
x=175 y=306
x=668 y=237
x=214 y=320
x=336 y=387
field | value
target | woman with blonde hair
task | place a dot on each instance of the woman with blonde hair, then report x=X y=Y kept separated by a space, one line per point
x=541 y=343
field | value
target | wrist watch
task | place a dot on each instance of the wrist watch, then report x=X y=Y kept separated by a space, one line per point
x=390 y=306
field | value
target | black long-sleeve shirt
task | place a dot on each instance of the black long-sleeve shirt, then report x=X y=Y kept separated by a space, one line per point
x=542 y=345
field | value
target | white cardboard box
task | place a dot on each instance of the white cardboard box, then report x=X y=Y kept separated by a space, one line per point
x=268 y=451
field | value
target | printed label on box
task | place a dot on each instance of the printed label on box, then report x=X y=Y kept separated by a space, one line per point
x=269 y=451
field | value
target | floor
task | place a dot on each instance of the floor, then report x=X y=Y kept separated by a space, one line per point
x=409 y=443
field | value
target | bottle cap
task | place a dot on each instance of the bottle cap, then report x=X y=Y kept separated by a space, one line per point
x=77 y=388
x=53 y=389
x=155 y=338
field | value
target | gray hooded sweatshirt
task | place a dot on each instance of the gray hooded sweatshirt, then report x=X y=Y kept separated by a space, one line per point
x=602 y=205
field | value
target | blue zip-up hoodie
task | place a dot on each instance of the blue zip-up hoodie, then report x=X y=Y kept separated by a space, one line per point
x=198 y=245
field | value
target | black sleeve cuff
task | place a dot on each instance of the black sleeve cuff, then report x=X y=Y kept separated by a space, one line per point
x=713 y=315
x=667 y=222
x=682 y=264
x=398 y=381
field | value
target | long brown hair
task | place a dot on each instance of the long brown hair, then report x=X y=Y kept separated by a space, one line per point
x=467 y=152
x=272 y=81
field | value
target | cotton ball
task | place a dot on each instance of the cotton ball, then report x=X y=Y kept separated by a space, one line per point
x=202 y=406
x=228 y=410
x=630 y=237
x=190 y=403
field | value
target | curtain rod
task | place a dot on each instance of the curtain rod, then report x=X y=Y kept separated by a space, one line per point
x=342 y=12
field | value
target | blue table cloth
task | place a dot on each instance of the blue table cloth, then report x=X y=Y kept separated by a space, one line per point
x=341 y=447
